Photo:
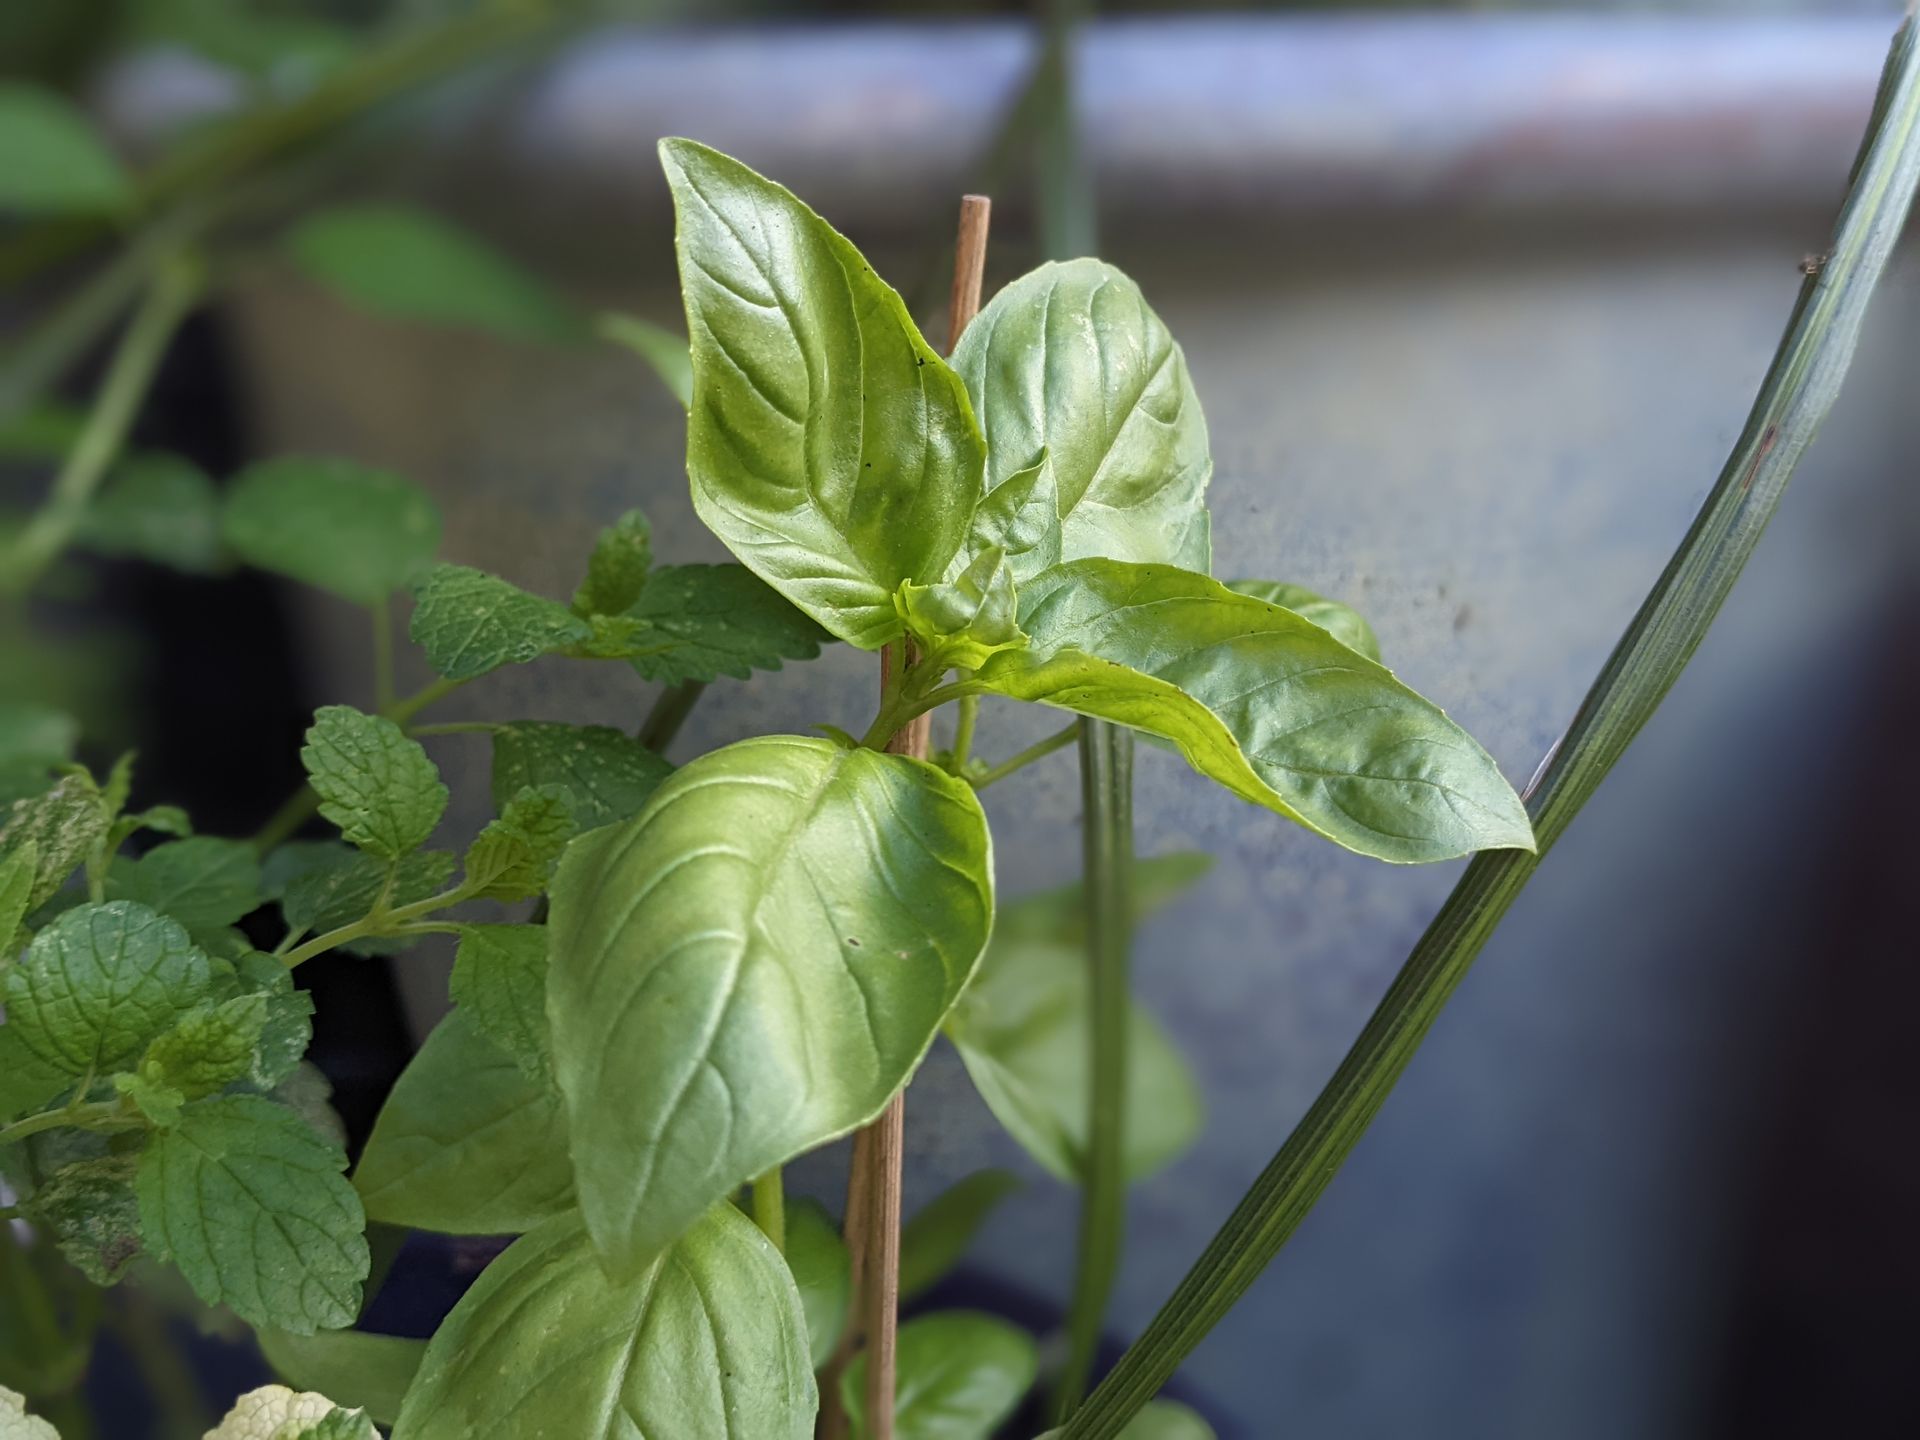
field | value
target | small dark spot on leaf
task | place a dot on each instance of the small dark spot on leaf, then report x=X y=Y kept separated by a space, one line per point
x=853 y=942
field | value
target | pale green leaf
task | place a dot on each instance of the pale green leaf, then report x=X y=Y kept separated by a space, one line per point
x=204 y=883
x=960 y=1374
x=665 y=351
x=706 y=1343
x=64 y=824
x=699 y=622
x=359 y=533
x=617 y=569
x=932 y=1242
x=209 y=1047
x=410 y=264
x=55 y=163
x=250 y=1205
x=1070 y=360
x=355 y=1368
x=512 y=857
x=99 y=983
x=273 y=1412
x=1266 y=703
x=964 y=621
x=470 y=622
x=156 y=507
x=1020 y=516
x=604 y=774
x=467 y=1143
x=160 y=1103
x=374 y=783
x=751 y=966
x=1342 y=622
x=17 y=1424
x=288 y=1025
x=822 y=1272
x=830 y=447
x=500 y=982
x=90 y=1210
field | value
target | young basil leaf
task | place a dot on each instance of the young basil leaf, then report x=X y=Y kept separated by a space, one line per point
x=1345 y=624
x=822 y=1272
x=704 y=621
x=500 y=983
x=962 y=622
x=513 y=856
x=1069 y=359
x=64 y=824
x=1021 y=516
x=797 y=917
x=410 y=264
x=830 y=448
x=356 y=1367
x=1159 y=1420
x=665 y=351
x=90 y=1210
x=932 y=1242
x=1265 y=702
x=250 y=1205
x=99 y=983
x=204 y=883
x=467 y=1143
x=470 y=622
x=156 y=507
x=360 y=534
x=617 y=569
x=961 y=1374
x=707 y=1343
x=603 y=774
x=17 y=1424
x=273 y=1412
x=56 y=165
x=374 y=783
x=208 y=1047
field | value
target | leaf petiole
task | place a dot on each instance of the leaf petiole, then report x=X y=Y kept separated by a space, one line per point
x=380 y=922
x=1059 y=740
x=770 y=1207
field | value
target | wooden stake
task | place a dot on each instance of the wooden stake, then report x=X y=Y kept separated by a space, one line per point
x=873 y=1187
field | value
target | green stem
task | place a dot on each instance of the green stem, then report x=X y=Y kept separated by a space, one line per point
x=1106 y=796
x=99 y=1115
x=963 y=732
x=1059 y=740
x=668 y=714
x=770 y=1207
x=402 y=711
x=1796 y=396
x=175 y=290
x=383 y=696
x=381 y=921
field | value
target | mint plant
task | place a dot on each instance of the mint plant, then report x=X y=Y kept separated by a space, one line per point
x=713 y=968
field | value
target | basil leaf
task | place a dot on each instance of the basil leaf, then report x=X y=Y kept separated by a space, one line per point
x=707 y=1343
x=963 y=621
x=753 y=965
x=960 y=1375
x=204 y=883
x=512 y=857
x=704 y=621
x=56 y=165
x=617 y=569
x=1020 y=516
x=932 y=1242
x=603 y=774
x=467 y=1143
x=1342 y=622
x=355 y=1367
x=90 y=1210
x=665 y=351
x=251 y=1207
x=830 y=448
x=822 y=1272
x=500 y=983
x=63 y=824
x=407 y=263
x=1070 y=359
x=358 y=533
x=99 y=983
x=156 y=507
x=374 y=783
x=1265 y=702
x=470 y=622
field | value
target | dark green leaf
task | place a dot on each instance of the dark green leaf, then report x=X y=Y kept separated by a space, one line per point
x=1070 y=360
x=960 y=1375
x=203 y=883
x=407 y=263
x=55 y=163
x=352 y=1367
x=617 y=569
x=156 y=507
x=359 y=533
x=90 y=1210
x=817 y=1256
x=1264 y=702
x=707 y=1343
x=251 y=1207
x=500 y=983
x=470 y=622
x=63 y=824
x=751 y=966
x=932 y=1242
x=666 y=352
x=467 y=1143
x=374 y=783
x=703 y=621
x=17 y=873
x=1345 y=624
x=513 y=856
x=830 y=448
x=604 y=774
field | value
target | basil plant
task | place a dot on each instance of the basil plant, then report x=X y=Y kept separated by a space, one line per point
x=717 y=967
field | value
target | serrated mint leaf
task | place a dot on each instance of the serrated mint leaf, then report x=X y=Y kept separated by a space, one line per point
x=160 y=1103
x=251 y=1206
x=273 y=1412
x=156 y=507
x=707 y=1343
x=17 y=1424
x=467 y=1143
x=617 y=569
x=288 y=1026
x=666 y=352
x=829 y=446
x=413 y=265
x=56 y=164
x=1020 y=516
x=309 y=1094
x=64 y=825
x=704 y=621
x=500 y=982
x=209 y=1047
x=27 y=1082
x=374 y=783
x=99 y=983
x=204 y=883
x=1342 y=622
x=89 y=1209
x=602 y=773
x=964 y=621
x=359 y=533
x=470 y=622
x=286 y=863
x=17 y=872
x=512 y=857
x=961 y=1374
x=344 y=890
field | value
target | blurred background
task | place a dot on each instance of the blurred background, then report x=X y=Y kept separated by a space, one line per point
x=1476 y=298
